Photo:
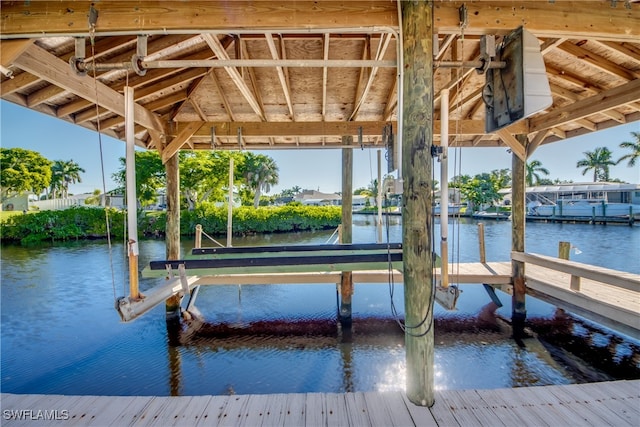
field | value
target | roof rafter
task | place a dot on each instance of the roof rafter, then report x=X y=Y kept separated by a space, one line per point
x=612 y=98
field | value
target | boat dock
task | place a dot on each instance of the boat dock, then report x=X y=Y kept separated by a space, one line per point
x=628 y=220
x=614 y=403
x=605 y=296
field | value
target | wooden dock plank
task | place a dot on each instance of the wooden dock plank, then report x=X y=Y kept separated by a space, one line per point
x=605 y=410
x=192 y=411
x=420 y=415
x=274 y=413
x=236 y=410
x=608 y=403
x=566 y=415
x=481 y=410
x=315 y=409
x=295 y=410
x=213 y=413
x=357 y=410
x=519 y=404
x=595 y=414
x=336 y=410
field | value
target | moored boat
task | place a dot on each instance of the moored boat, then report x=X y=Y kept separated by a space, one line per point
x=585 y=208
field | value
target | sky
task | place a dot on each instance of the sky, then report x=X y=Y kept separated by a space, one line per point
x=319 y=170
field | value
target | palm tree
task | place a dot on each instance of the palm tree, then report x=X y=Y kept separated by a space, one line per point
x=634 y=146
x=599 y=160
x=534 y=169
x=63 y=174
x=261 y=173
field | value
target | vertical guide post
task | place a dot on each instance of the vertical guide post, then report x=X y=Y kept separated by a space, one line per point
x=444 y=188
x=132 y=206
x=483 y=255
x=518 y=307
x=417 y=232
x=346 y=282
x=230 y=205
x=172 y=170
x=198 y=240
x=564 y=249
x=379 y=196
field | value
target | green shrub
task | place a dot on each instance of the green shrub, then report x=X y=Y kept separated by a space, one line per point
x=90 y=222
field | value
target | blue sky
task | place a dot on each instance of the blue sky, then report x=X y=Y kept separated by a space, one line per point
x=313 y=169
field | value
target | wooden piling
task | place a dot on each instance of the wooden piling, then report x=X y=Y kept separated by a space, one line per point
x=172 y=238
x=346 y=282
x=564 y=250
x=483 y=256
x=518 y=308
x=417 y=131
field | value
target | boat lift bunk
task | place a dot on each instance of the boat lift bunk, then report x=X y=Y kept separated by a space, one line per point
x=214 y=266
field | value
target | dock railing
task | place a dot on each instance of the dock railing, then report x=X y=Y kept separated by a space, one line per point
x=579 y=270
x=608 y=297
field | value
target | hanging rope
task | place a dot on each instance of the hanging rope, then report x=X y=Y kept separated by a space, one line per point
x=92 y=30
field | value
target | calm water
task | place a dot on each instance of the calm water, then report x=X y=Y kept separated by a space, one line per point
x=61 y=334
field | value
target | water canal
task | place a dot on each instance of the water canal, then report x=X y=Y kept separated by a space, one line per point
x=61 y=334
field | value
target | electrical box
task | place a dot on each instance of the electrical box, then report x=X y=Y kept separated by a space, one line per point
x=519 y=90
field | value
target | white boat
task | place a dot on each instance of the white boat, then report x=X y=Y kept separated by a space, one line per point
x=452 y=209
x=492 y=215
x=585 y=208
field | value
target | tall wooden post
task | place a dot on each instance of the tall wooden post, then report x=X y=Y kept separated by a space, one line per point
x=173 y=224
x=346 y=282
x=417 y=105
x=518 y=183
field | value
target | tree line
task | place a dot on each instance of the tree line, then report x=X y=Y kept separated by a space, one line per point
x=204 y=175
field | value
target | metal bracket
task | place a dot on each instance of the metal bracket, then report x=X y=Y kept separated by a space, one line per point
x=436 y=151
x=183 y=279
x=141 y=52
x=462 y=13
x=170 y=274
x=77 y=60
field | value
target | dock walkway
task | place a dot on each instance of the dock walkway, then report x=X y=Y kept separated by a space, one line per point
x=596 y=404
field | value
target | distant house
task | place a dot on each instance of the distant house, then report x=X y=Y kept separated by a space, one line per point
x=316 y=198
x=19 y=202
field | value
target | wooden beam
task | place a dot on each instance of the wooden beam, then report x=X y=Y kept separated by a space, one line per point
x=584 y=19
x=598 y=61
x=606 y=100
x=569 y=19
x=38 y=61
x=66 y=17
x=12 y=49
x=221 y=53
x=183 y=136
x=516 y=147
x=283 y=81
x=535 y=142
x=318 y=128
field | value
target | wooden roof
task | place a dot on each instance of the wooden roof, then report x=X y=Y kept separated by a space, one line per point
x=300 y=74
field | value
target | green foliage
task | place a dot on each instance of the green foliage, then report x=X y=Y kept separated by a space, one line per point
x=69 y=224
x=260 y=173
x=204 y=175
x=150 y=176
x=483 y=188
x=23 y=170
x=248 y=220
x=599 y=161
x=64 y=173
x=533 y=170
x=632 y=157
